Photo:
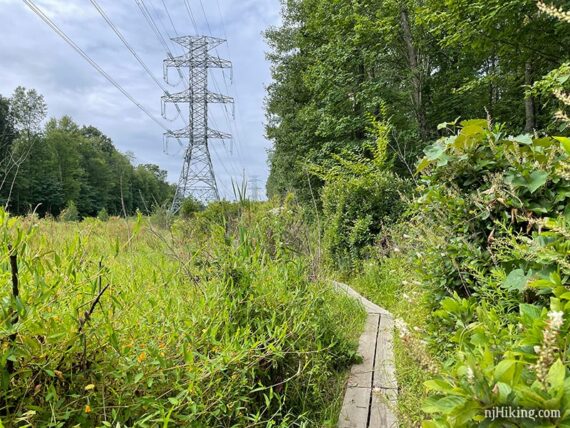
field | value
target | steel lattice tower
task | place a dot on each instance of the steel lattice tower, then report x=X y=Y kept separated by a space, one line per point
x=197 y=178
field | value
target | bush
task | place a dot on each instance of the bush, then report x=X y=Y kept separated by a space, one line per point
x=190 y=207
x=70 y=213
x=356 y=209
x=360 y=197
x=498 y=273
x=103 y=215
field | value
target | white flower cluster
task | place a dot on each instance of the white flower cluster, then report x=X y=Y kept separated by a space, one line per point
x=556 y=319
x=402 y=327
x=554 y=11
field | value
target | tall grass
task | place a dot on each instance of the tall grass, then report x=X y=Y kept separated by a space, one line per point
x=205 y=324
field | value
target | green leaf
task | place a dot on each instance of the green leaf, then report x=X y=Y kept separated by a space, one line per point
x=505 y=371
x=434 y=151
x=438 y=385
x=480 y=123
x=565 y=141
x=504 y=391
x=516 y=280
x=529 y=313
x=536 y=180
x=525 y=139
x=556 y=375
x=423 y=164
x=445 y=405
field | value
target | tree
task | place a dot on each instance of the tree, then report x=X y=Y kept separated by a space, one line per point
x=45 y=169
x=337 y=66
x=27 y=110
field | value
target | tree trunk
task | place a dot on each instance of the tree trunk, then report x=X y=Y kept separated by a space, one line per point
x=417 y=83
x=529 y=104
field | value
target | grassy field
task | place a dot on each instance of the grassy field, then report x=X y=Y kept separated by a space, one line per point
x=217 y=321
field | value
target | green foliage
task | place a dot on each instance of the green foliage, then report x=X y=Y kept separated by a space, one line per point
x=44 y=169
x=498 y=274
x=335 y=63
x=190 y=207
x=103 y=215
x=360 y=197
x=198 y=326
x=70 y=213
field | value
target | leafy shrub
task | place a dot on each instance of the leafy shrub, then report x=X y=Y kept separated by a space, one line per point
x=500 y=273
x=103 y=215
x=190 y=207
x=360 y=197
x=70 y=213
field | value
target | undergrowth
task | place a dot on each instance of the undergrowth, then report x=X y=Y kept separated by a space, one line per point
x=216 y=321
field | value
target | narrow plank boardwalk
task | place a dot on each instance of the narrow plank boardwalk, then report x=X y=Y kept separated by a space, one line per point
x=372 y=390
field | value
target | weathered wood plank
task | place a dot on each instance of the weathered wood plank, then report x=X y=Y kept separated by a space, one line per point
x=385 y=376
x=381 y=413
x=361 y=374
x=355 y=408
x=371 y=393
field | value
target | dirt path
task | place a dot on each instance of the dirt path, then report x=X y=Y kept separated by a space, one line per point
x=372 y=389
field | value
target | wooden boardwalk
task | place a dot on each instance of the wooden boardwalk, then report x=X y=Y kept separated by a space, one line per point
x=372 y=390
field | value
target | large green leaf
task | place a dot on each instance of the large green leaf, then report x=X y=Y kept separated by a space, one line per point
x=556 y=376
x=506 y=371
x=565 y=141
x=525 y=139
x=434 y=151
x=445 y=405
x=536 y=180
x=516 y=280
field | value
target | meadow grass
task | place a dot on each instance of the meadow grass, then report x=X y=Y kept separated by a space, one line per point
x=204 y=324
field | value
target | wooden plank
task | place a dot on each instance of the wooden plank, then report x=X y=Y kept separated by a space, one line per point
x=372 y=392
x=382 y=411
x=356 y=404
x=355 y=408
x=361 y=374
x=385 y=376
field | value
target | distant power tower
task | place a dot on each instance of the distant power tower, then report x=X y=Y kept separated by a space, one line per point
x=254 y=182
x=197 y=178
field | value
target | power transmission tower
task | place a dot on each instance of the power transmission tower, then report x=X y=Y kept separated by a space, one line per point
x=197 y=178
x=254 y=181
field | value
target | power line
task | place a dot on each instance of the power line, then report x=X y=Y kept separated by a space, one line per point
x=122 y=38
x=191 y=15
x=151 y=23
x=87 y=58
x=169 y=16
x=133 y=52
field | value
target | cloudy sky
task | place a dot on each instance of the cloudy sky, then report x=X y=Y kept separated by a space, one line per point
x=34 y=56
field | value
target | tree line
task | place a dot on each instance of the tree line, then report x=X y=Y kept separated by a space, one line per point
x=48 y=166
x=339 y=66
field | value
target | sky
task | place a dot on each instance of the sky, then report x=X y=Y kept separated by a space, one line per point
x=34 y=56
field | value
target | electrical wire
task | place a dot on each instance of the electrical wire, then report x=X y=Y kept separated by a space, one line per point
x=87 y=58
